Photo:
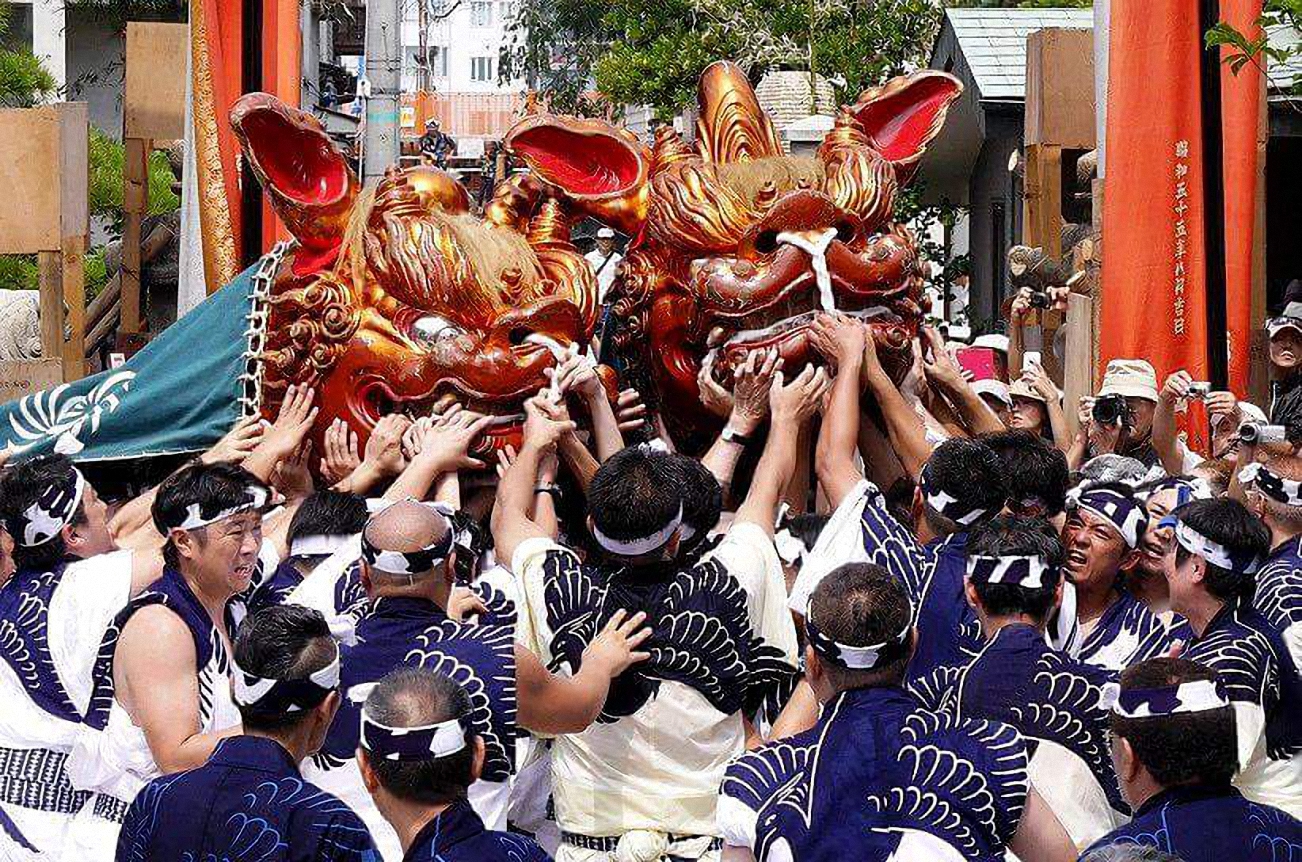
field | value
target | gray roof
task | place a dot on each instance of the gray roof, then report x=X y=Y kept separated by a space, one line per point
x=993 y=42
x=1283 y=75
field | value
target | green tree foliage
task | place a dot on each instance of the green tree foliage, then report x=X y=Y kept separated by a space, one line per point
x=23 y=81
x=1279 y=41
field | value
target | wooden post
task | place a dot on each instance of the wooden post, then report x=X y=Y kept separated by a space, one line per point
x=135 y=203
x=1079 y=362
x=73 y=290
x=50 y=278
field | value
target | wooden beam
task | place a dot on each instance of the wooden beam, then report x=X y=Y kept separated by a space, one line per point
x=153 y=106
x=73 y=289
x=135 y=202
x=1079 y=362
x=1042 y=207
x=50 y=280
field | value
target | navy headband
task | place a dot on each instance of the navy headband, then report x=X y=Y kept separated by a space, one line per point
x=1123 y=512
x=961 y=512
x=412 y=744
x=1032 y=573
x=870 y=657
x=256 y=497
x=278 y=697
x=408 y=562
x=52 y=511
x=1203 y=695
x=1274 y=486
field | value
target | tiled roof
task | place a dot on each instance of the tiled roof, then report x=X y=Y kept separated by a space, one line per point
x=993 y=42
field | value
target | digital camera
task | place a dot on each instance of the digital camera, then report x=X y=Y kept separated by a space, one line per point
x=1111 y=410
x=1254 y=433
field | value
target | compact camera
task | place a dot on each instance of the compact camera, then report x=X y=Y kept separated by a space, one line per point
x=1199 y=389
x=1040 y=299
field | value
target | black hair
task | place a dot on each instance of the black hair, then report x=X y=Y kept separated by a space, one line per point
x=415 y=697
x=1229 y=524
x=282 y=642
x=329 y=513
x=1185 y=748
x=860 y=604
x=969 y=471
x=807 y=527
x=1128 y=853
x=702 y=499
x=635 y=493
x=20 y=487
x=1035 y=471
x=1016 y=536
x=213 y=487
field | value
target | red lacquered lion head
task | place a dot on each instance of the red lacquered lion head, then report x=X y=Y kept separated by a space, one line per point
x=742 y=243
x=398 y=297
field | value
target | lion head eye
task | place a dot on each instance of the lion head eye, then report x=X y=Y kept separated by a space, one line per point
x=432 y=329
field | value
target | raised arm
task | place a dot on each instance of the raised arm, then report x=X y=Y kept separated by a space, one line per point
x=551 y=703
x=443 y=446
x=903 y=427
x=579 y=375
x=841 y=341
x=512 y=520
x=791 y=406
x=1165 y=432
x=944 y=374
x=748 y=407
x=1040 y=381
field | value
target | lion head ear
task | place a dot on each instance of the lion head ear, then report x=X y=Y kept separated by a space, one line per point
x=902 y=116
x=732 y=126
x=600 y=169
x=307 y=181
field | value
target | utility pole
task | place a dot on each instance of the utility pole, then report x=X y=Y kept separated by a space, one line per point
x=384 y=72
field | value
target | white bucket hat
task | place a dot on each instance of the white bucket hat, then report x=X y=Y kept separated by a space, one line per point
x=1133 y=378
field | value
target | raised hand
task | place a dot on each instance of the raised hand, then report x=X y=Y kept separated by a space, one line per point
x=714 y=397
x=384 y=448
x=839 y=339
x=292 y=478
x=938 y=364
x=544 y=421
x=630 y=410
x=615 y=649
x=797 y=401
x=237 y=445
x=750 y=392
x=446 y=441
x=292 y=422
x=341 y=456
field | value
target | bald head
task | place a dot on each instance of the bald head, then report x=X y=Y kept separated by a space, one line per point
x=404 y=528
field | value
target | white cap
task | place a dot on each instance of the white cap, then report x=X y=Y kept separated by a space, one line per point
x=1253 y=413
x=995 y=389
x=1021 y=389
x=605 y=233
x=1133 y=378
x=993 y=341
x=1290 y=319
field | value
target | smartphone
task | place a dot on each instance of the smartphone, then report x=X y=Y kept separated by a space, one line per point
x=980 y=361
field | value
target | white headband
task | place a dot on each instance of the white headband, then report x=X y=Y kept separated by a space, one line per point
x=1279 y=489
x=1201 y=695
x=249 y=688
x=1213 y=552
x=318 y=545
x=257 y=497
x=425 y=742
x=644 y=545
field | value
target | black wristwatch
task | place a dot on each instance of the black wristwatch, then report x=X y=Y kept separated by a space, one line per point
x=731 y=436
x=554 y=490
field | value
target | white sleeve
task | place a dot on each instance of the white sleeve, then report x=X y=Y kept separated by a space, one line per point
x=532 y=631
x=736 y=822
x=839 y=542
x=748 y=554
x=1190 y=460
x=88 y=597
x=1293 y=643
x=1250 y=719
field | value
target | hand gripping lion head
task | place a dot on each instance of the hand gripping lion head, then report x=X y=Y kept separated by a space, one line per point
x=398 y=298
x=743 y=243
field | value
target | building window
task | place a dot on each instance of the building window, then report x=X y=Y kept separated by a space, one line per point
x=510 y=9
x=481 y=13
x=438 y=61
x=481 y=68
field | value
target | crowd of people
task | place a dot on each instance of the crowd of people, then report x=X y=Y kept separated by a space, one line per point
x=875 y=619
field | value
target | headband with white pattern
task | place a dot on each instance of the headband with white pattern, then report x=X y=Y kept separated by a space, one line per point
x=958 y=511
x=1124 y=513
x=407 y=744
x=318 y=545
x=1274 y=486
x=1032 y=573
x=1201 y=695
x=53 y=510
x=869 y=657
x=284 y=696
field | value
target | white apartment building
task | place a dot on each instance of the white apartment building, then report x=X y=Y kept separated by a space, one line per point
x=463 y=39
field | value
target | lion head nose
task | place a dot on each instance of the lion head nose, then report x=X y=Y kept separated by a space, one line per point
x=797 y=212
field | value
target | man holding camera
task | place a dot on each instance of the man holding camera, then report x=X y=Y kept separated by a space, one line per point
x=1120 y=418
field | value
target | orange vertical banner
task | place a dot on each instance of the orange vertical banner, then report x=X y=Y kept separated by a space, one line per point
x=1153 y=285
x=1240 y=113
